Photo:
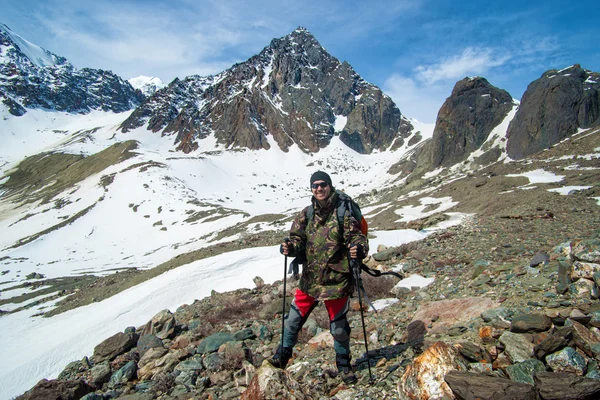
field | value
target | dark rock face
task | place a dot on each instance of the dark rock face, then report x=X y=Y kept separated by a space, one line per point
x=563 y=386
x=114 y=345
x=466 y=119
x=292 y=92
x=54 y=84
x=467 y=385
x=56 y=389
x=553 y=108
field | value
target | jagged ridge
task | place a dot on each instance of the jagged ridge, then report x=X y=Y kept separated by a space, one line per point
x=293 y=90
x=51 y=82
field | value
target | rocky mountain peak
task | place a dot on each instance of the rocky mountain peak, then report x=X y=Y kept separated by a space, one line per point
x=24 y=53
x=466 y=120
x=32 y=77
x=292 y=92
x=554 y=107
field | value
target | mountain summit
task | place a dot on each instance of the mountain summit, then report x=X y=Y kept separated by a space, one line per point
x=293 y=91
x=32 y=77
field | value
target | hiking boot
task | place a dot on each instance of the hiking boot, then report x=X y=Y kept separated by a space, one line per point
x=281 y=358
x=342 y=361
x=347 y=375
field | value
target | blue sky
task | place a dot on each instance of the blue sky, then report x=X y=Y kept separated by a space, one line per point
x=414 y=50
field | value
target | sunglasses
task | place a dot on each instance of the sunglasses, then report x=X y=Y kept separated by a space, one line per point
x=317 y=185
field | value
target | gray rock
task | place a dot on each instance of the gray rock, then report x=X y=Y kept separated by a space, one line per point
x=192 y=364
x=563 y=386
x=162 y=325
x=587 y=250
x=244 y=334
x=213 y=342
x=57 y=389
x=540 y=257
x=583 y=338
x=564 y=277
x=123 y=374
x=517 y=347
x=100 y=373
x=474 y=352
x=114 y=345
x=560 y=339
x=187 y=378
x=525 y=323
x=467 y=385
x=92 y=396
x=147 y=342
x=387 y=254
x=214 y=362
x=524 y=371
x=567 y=360
x=489 y=315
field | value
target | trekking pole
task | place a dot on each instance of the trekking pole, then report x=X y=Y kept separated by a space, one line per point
x=286 y=240
x=356 y=271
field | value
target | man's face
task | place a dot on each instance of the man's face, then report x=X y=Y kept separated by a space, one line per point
x=321 y=190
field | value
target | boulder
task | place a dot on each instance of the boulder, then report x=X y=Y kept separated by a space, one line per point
x=473 y=352
x=518 y=347
x=567 y=360
x=525 y=323
x=524 y=371
x=584 y=269
x=100 y=373
x=213 y=342
x=114 y=346
x=162 y=325
x=587 y=250
x=563 y=386
x=57 y=389
x=123 y=375
x=583 y=337
x=147 y=342
x=273 y=383
x=468 y=386
x=424 y=378
x=558 y=340
x=448 y=313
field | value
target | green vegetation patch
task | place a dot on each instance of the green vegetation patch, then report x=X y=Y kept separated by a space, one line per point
x=45 y=175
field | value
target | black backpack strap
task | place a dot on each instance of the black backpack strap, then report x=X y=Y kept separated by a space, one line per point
x=342 y=208
x=310 y=213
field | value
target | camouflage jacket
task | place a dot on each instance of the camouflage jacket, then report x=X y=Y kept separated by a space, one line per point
x=326 y=273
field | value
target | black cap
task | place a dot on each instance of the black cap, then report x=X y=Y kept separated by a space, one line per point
x=320 y=176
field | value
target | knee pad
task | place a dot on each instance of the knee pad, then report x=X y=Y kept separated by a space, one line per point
x=340 y=329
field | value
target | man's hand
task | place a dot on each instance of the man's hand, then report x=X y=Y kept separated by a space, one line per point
x=285 y=247
x=356 y=251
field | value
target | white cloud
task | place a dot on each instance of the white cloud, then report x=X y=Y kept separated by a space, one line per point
x=421 y=94
x=472 y=61
x=416 y=100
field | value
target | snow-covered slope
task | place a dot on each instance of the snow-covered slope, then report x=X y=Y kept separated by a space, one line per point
x=159 y=203
x=152 y=207
x=147 y=84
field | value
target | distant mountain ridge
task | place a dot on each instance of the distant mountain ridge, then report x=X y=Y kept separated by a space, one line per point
x=295 y=93
x=293 y=90
x=31 y=77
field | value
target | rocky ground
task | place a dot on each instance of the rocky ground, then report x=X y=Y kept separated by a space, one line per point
x=512 y=312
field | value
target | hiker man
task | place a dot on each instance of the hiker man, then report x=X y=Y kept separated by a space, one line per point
x=326 y=274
